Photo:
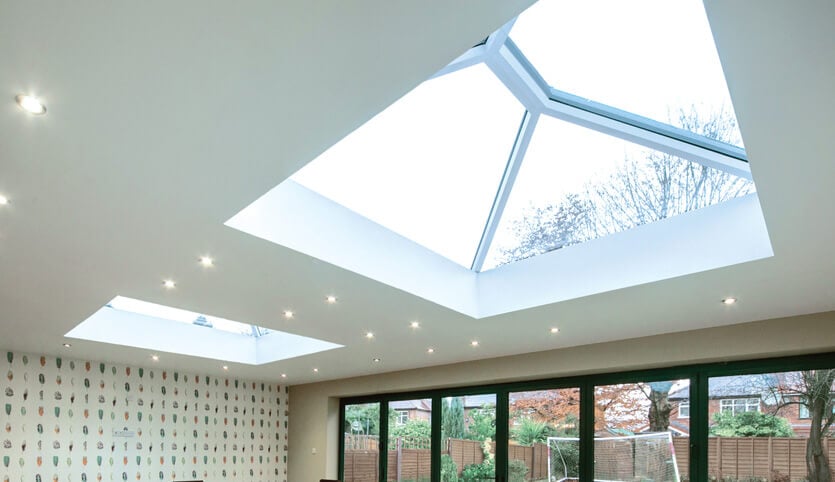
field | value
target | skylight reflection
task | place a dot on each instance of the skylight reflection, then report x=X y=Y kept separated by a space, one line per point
x=427 y=167
x=655 y=58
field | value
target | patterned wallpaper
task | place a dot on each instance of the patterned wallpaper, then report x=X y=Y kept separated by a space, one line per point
x=81 y=421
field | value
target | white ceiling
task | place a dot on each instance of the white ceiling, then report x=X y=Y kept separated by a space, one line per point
x=166 y=118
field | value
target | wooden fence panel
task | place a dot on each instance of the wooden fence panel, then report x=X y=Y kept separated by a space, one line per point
x=780 y=456
x=681 y=445
x=465 y=452
x=761 y=457
x=745 y=457
x=415 y=464
x=733 y=458
x=539 y=468
x=798 y=458
x=361 y=466
x=535 y=458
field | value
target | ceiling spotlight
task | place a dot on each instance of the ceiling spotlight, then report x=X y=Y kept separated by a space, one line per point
x=474 y=343
x=430 y=350
x=67 y=345
x=155 y=357
x=415 y=324
x=555 y=330
x=331 y=299
x=169 y=284
x=376 y=360
x=207 y=262
x=30 y=104
x=315 y=370
x=288 y=314
x=3 y=200
x=369 y=335
x=225 y=367
x=729 y=301
x=283 y=375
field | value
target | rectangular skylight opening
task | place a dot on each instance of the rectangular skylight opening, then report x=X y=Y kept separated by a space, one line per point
x=139 y=307
x=158 y=328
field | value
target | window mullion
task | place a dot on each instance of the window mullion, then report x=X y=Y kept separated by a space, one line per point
x=514 y=162
x=587 y=430
x=383 y=444
x=502 y=435
x=699 y=406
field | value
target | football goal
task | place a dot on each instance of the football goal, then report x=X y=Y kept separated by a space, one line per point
x=644 y=457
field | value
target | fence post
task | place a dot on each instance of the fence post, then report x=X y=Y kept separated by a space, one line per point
x=533 y=460
x=770 y=459
x=719 y=456
x=399 y=457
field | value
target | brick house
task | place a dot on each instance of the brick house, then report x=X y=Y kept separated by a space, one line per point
x=406 y=410
x=742 y=393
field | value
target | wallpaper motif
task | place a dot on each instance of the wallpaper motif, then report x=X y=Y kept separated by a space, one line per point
x=82 y=421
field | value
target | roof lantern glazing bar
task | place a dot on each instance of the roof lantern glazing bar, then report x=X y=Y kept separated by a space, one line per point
x=499 y=37
x=522 y=80
x=648 y=124
x=648 y=138
x=469 y=58
x=514 y=162
x=530 y=77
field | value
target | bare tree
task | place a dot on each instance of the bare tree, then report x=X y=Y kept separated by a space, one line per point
x=658 y=185
x=644 y=189
x=812 y=389
x=659 y=406
x=554 y=226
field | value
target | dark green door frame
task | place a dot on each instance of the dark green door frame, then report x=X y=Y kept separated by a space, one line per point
x=699 y=376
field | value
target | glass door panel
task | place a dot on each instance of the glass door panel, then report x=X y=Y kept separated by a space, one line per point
x=769 y=426
x=544 y=431
x=410 y=441
x=361 y=431
x=640 y=433
x=468 y=438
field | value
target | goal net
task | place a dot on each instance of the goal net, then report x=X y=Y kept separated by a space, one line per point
x=644 y=457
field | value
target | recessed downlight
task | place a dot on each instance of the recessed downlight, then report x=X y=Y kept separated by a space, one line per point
x=315 y=370
x=283 y=375
x=207 y=261
x=430 y=350
x=376 y=360
x=30 y=104
x=3 y=200
x=330 y=299
x=155 y=357
x=555 y=330
x=67 y=345
x=729 y=300
x=474 y=343
x=169 y=284
x=414 y=324
x=226 y=367
x=288 y=314
x=369 y=335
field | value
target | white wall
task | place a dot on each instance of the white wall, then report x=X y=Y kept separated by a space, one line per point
x=314 y=424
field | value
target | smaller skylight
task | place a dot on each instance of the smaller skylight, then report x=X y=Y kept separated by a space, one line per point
x=140 y=324
x=184 y=316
